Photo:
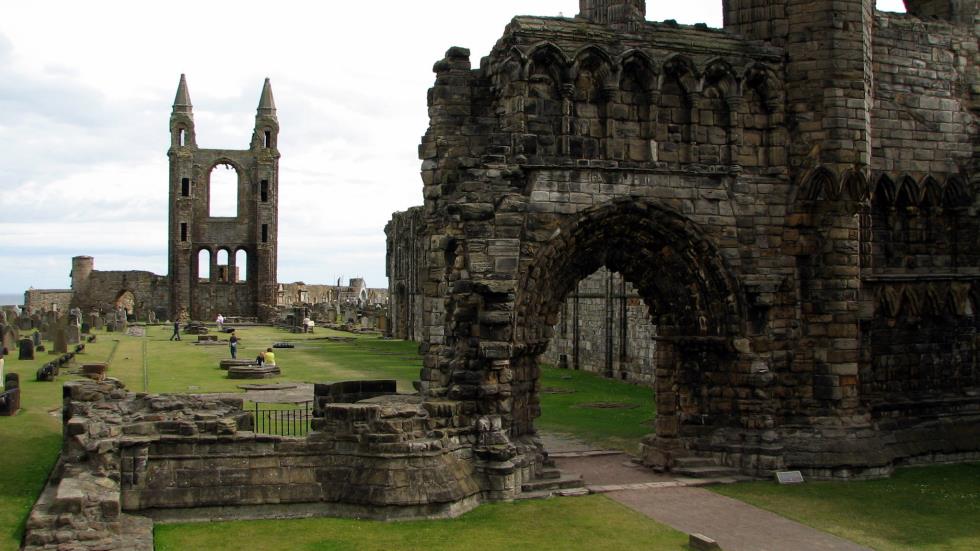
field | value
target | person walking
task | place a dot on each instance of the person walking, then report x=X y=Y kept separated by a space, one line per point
x=233 y=344
x=176 y=335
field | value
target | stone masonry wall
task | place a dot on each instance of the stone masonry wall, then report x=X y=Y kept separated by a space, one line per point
x=604 y=327
x=404 y=264
x=790 y=196
x=104 y=291
x=41 y=300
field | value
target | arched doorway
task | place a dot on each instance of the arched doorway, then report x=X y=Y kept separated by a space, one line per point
x=685 y=283
x=125 y=300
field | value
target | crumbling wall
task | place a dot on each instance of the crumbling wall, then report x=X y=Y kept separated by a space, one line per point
x=106 y=291
x=404 y=264
x=45 y=300
x=604 y=327
x=178 y=456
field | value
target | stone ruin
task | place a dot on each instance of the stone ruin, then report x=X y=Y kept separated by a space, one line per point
x=129 y=459
x=793 y=199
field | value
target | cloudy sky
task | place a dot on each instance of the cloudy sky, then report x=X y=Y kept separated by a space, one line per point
x=86 y=90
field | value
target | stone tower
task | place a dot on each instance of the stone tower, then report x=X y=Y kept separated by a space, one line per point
x=625 y=15
x=81 y=269
x=224 y=264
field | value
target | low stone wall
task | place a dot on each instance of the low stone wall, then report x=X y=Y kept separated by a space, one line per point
x=185 y=457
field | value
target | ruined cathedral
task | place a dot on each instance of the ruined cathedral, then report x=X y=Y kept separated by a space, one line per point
x=792 y=200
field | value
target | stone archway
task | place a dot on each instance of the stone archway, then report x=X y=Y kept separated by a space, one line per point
x=689 y=290
x=125 y=300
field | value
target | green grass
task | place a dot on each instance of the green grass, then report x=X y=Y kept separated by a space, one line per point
x=562 y=411
x=593 y=523
x=923 y=508
x=917 y=508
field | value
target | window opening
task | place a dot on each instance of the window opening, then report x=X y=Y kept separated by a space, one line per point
x=185 y=187
x=223 y=183
x=241 y=265
x=204 y=265
x=181 y=137
x=268 y=139
x=264 y=191
x=183 y=231
x=265 y=233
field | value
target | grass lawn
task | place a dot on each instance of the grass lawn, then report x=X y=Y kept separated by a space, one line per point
x=593 y=523
x=917 y=508
x=564 y=392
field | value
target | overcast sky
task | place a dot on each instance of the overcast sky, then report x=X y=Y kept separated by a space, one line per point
x=86 y=90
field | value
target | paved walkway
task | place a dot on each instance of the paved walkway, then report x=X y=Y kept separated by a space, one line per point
x=680 y=504
x=736 y=526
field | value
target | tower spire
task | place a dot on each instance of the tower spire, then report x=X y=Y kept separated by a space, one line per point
x=182 y=101
x=267 y=105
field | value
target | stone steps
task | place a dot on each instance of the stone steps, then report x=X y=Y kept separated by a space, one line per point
x=702 y=467
x=563 y=482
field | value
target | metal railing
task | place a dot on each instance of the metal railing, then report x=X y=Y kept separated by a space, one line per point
x=284 y=421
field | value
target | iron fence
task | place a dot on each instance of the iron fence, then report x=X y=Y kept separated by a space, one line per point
x=293 y=421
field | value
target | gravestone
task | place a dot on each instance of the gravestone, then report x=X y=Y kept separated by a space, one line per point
x=24 y=322
x=10 y=397
x=151 y=317
x=60 y=339
x=36 y=337
x=95 y=321
x=74 y=334
x=26 y=350
x=8 y=336
x=86 y=328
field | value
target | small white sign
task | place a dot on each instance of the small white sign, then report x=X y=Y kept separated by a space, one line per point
x=789 y=477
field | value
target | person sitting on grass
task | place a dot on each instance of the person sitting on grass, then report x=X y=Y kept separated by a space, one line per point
x=270 y=357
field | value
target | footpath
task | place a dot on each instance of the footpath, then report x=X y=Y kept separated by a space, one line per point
x=684 y=505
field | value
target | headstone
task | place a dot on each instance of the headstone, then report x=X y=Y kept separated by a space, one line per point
x=75 y=316
x=60 y=339
x=10 y=397
x=74 y=334
x=86 y=328
x=26 y=350
x=36 y=337
x=24 y=322
x=789 y=477
x=151 y=317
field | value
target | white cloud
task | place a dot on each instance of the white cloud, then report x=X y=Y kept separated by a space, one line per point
x=85 y=103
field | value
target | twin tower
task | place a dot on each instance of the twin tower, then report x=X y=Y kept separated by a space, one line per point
x=223 y=264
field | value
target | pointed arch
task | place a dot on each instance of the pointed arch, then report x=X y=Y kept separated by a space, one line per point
x=908 y=193
x=681 y=68
x=955 y=193
x=546 y=57
x=718 y=73
x=884 y=192
x=594 y=59
x=818 y=183
x=932 y=192
x=854 y=185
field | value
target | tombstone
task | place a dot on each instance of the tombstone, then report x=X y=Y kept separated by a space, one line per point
x=74 y=334
x=8 y=336
x=24 y=322
x=10 y=397
x=26 y=350
x=60 y=339
x=151 y=317
x=86 y=328
x=75 y=317
x=97 y=322
x=36 y=337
